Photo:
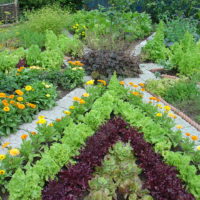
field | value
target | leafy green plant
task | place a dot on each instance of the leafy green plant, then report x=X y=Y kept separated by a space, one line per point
x=155 y=49
x=33 y=55
x=184 y=56
x=118 y=172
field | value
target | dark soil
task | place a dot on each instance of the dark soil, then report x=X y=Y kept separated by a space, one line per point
x=190 y=108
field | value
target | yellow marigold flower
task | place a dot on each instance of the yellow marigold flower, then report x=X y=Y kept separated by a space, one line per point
x=2 y=95
x=150 y=102
x=141 y=84
x=41 y=117
x=159 y=115
x=2 y=172
x=136 y=93
x=167 y=108
x=24 y=136
x=86 y=95
x=121 y=82
x=14 y=152
x=179 y=126
x=172 y=115
x=142 y=89
x=131 y=83
x=67 y=112
x=91 y=82
x=2 y=156
x=51 y=124
x=28 y=88
x=5 y=145
x=198 y=148
x=194 y=138
x=20 y=98
x=72 y=107
x=48 y=95
x=76 y=98
x=41 y=121
x=19 y=92
x=6 y=109
x=11 y=96
x=82 y=101
x=102 y=81
x=159 y=106
x=21 y=106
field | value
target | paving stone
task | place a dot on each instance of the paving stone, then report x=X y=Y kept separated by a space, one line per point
x=53 y=114
x=14 y=139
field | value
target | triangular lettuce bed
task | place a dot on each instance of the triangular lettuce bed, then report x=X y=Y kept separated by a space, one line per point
x=161 y=179
x=115 y=100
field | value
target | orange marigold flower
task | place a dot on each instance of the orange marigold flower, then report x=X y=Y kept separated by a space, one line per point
x=19 y=92
x=6 y=109
x=33 y=133
x=5 y=102
x=153 y=98
x=20 y=98
x=24 y=136
x=21 y=106
x=5 y=145
x=12 y=102
x=82 y=101
x=142 y=89
x=187 y=134
x=136 y=93
x=194 y=138
x=58 y=120
x=102 y=81
x=135 y=86
x=141 y=84
x=2 y=95
x=11 y=96
x=121 y=82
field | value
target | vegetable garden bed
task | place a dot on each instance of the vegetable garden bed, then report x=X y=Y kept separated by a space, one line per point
x=80 y=150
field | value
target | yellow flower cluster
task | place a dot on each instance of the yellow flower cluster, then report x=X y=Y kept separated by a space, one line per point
x=41 y=120
x=91 y=82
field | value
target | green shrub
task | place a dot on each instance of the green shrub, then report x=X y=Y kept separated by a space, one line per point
x=182 y=90
x=47 y=18
x=175 y=29
x=155 y=49
x=29 y=37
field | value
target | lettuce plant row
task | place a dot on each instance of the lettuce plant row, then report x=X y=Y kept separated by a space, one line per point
x=136 y=113
x=160 y=179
